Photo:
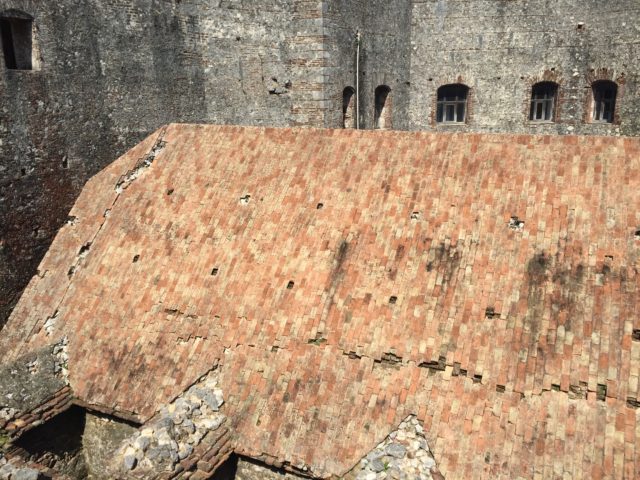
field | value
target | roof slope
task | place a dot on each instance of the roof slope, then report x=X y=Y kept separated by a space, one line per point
x=346 y=279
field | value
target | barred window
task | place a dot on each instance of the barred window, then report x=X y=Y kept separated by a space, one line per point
x=543 y=102
x=452 y=103
x=604 y=100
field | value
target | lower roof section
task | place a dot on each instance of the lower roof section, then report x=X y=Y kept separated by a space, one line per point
x=344 y=280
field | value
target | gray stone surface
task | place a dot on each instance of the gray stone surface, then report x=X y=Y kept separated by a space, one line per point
x=403 y=455
x=101 y=438
x=396 y=450
x=32 y=379
x=9 y=471
x=172 y=434
x=250 y=470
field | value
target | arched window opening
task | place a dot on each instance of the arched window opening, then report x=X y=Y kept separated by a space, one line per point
x=452 y=103
x=382 y=117
x=604 y=100
x=349 y=108
x=543 y=102
x=16 y=31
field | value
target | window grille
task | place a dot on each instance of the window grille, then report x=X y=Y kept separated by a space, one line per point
x=604 y=101
x=452 y=104
x=543 y=102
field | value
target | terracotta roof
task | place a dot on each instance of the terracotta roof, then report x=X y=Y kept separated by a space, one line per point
x=346 y=279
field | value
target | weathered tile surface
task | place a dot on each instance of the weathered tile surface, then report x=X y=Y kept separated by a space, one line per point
x=412 y=290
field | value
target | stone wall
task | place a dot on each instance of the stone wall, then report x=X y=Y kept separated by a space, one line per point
x=18 y=469
x=188 y=438
x=34 y=398
x=34 y=389
x=403 y=455
x=247 y=469
x=102 y=436
x=385 y=41
x=499 y=48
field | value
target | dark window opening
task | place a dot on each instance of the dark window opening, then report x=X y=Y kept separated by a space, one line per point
x=382 y=116
x=604 y=101
x=543 y=102
x=17 y=40
x=601 y=392
x=228 y=470
x=452 y=103
x=57 y=443
x=349 y=108
x=75 y=443
x=237 y=467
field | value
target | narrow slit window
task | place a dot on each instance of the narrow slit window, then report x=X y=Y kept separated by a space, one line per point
x=604 y=101
x=452 y=104
x=349 y=108
x=16 y=32
x=543 y=102
x=382 y=117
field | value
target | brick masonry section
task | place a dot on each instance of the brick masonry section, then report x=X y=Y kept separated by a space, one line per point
x=26 y=421
x=344 y=280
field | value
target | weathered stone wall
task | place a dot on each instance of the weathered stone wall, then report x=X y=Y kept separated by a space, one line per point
x=102 y=436
x=499 y=48
x=247 y=469
x=186 y=438
x=384 y=56
x=404 y=454
x=34 y=395
x=17 y=468
x=34 y=389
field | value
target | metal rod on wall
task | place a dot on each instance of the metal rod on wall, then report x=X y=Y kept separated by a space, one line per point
x=358 y=80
